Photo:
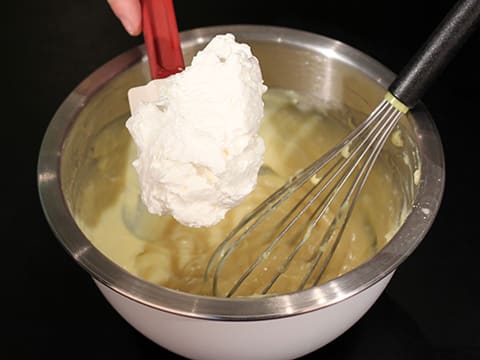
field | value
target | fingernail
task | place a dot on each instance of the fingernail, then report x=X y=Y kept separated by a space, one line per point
x=128 y=26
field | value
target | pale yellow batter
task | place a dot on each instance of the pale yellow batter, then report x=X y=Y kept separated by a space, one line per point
x=160 y=250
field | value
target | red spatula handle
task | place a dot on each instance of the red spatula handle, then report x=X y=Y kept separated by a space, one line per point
x=161 y=37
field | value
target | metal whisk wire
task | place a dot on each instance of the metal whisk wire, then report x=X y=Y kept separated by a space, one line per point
x=364 y=143
x=369 y=147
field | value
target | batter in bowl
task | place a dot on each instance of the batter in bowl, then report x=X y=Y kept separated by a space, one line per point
x=160 y=250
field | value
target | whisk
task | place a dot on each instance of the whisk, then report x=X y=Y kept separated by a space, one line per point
x=319 y=200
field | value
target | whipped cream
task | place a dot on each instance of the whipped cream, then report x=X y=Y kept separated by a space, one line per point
x=198 y=151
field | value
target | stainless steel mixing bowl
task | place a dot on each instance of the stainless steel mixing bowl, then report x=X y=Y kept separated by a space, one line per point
x=276 y=327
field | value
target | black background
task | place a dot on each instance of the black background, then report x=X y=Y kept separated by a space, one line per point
x=52 y=309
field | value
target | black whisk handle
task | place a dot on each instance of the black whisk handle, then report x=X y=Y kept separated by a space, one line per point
x=430 y=60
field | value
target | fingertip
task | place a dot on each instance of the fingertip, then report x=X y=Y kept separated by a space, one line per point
x=129 y=13
x=134 y=29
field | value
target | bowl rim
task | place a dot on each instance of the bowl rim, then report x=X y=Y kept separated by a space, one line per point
x=408 y=237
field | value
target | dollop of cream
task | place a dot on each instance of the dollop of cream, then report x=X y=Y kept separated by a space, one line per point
x=196 y=132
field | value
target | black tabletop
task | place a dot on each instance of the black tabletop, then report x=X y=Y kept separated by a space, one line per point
x=430 y=310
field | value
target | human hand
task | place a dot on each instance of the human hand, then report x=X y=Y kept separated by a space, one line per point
x=129 y=13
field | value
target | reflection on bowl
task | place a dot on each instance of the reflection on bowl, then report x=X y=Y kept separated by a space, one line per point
x=83 y=171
